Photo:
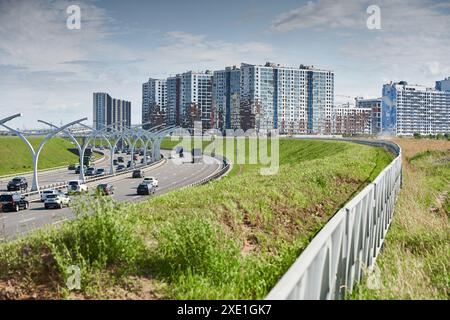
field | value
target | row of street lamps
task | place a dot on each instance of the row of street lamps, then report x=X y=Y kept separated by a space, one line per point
x=112 y=134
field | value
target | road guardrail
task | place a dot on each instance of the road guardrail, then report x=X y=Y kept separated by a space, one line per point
x=349 y=243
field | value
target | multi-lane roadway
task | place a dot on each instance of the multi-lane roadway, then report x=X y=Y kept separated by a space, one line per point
x=171 y=175
x=50 y=177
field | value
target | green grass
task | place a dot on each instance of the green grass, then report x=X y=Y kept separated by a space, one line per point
x=415 y=260
x=229 y=239
x=15 y=156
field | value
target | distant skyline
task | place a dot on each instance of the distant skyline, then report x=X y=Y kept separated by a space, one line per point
x=48 y=71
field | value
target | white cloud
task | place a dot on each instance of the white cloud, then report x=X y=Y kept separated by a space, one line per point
x=322 y=13
x=413 y=43
x=184 y=50
x=33 y=34
x=50 y=72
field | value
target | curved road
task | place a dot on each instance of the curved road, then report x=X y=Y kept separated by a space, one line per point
x=171 y=175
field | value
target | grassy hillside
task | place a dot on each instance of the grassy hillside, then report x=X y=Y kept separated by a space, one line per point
x=231 y=238
x=415 y=260
x=15 y=156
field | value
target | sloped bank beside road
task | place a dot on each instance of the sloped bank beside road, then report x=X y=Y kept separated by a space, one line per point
x=232 y=238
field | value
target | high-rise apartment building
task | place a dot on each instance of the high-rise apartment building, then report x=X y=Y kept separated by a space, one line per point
x=375 y=106
x=293 y=100
x=226 y=98
x=196 y=98
x=261 y=97
x=154 y=99
x=111 y=112
x=189 y=99
x=173 y=104
x=443 y=85
x=349 y=119
x=408 y=109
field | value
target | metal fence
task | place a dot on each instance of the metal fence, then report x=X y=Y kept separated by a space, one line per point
x=349 y=243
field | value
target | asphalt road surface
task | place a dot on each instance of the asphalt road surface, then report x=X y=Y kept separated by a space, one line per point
x=171 y=175
x=54 y=176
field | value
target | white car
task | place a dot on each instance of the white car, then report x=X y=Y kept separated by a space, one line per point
x=151 y=180
x=46 y=193
x=77 y=186
x=57 y=201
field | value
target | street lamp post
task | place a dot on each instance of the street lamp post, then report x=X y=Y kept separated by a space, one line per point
x=35 y=153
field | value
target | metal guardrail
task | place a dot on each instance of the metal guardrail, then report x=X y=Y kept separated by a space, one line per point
x=349 y=243
x=226 y=166
x=6 y=178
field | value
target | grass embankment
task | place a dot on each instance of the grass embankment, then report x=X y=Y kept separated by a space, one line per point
x=231 y=238
x=415 y=260
x=15 y=156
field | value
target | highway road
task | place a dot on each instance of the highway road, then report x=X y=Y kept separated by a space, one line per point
x=171 y=175
x=57 y=175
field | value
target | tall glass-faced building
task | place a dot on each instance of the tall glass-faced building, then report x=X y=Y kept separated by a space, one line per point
x=112 y=112
x=173 y=104
x=226 y=98
x=408 y=109
x=293 y=100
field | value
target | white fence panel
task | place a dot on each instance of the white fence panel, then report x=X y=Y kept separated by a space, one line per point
x=348 y=244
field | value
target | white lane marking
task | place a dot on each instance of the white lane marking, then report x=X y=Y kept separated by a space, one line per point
x=27 y=220
x=174 y=182
x=59 y=221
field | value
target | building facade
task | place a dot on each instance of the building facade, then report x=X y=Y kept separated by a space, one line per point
x=443 y=85
x=196 y=98
x=226 y=98
x=154 y=99
x=349 y=120
x=293 y=100
x=112 y=112
x=375 y=106
x=262 y=97
x=409 y=109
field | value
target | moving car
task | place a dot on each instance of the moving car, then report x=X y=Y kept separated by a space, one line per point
x=137 y=174
x=105 y=189
x=100 y=172
x=149 y=158
x=58 y=200
x=18 y=184
x=145 y=189
x=13 y=202
x=90 y=172
x=120 y=167
x=77 y=186
x=46 y=193
x=77 y=169
x=151 y=180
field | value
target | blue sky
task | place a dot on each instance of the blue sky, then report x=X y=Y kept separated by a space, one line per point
x=50 y=72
